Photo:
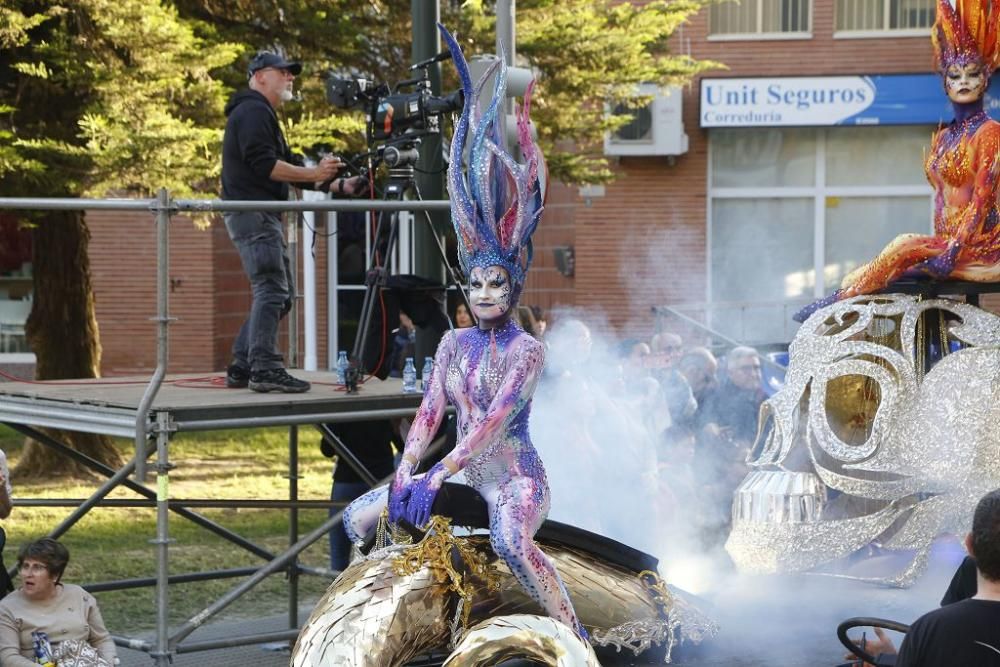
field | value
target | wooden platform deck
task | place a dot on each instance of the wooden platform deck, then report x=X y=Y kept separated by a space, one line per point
x=195 y=402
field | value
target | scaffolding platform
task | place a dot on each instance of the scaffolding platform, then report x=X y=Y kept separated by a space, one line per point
x=195 y=403
x=178 y=403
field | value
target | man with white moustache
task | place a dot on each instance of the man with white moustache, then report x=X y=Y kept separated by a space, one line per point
x=258 y=165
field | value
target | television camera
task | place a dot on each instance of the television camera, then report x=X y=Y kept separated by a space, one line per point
x=396 y=117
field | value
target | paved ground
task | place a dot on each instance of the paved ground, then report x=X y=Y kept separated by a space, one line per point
x=765 y=621
x=243 y=656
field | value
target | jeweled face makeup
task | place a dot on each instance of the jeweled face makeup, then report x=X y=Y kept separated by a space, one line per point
x=491 y=293
x=965 y=82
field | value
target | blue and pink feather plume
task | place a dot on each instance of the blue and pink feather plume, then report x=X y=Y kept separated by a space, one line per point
x=496 y=207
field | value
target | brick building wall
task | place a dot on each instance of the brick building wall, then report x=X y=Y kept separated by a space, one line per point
x=209 y=295
x=645 y=242
x=545 y=286
x=123 y=265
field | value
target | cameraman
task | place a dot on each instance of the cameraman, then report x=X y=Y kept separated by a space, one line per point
x=258 y=165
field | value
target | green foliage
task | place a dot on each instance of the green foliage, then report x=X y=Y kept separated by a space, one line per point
x=106 y=96
x=587 y=55
x=15 y=26
x=309 y=131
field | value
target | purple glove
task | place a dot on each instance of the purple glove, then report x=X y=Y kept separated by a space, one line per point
x=422 y=494
x=399 y=491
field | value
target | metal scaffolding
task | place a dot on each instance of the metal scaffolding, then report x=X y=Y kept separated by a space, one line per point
x=164 y=408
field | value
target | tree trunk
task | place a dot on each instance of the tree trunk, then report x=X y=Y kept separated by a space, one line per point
x=62 y=332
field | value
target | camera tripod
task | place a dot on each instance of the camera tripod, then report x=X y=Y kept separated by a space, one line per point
x=401 y=181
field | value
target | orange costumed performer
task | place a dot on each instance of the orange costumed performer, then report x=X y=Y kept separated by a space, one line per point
x=961 y=165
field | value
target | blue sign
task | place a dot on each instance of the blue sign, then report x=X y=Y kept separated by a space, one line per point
x=891 y=99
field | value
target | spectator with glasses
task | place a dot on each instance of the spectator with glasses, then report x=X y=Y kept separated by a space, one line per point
x=66 y=613
x=730 y=412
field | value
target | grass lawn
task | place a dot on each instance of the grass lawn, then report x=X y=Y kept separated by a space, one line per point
x=114 y=543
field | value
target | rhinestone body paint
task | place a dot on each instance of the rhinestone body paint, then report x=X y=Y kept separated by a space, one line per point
x=489 y=376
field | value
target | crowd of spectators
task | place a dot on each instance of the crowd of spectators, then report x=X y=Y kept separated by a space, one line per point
x=712 y=404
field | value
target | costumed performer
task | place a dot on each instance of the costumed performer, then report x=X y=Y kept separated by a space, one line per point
x=961 y=166
x=488 y=372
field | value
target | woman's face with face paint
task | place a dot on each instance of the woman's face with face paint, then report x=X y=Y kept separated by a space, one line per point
x=491 y=293
x=966 y=82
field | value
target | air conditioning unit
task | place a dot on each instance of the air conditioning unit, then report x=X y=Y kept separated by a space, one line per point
x=655 y=129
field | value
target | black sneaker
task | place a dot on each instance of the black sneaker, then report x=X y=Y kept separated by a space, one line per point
x=277 y=379
x=237 y=377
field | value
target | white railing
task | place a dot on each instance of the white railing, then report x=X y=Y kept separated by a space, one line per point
x=755 y=323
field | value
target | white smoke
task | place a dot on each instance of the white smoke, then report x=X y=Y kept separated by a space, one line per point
x=597 y=431
x=597 y=424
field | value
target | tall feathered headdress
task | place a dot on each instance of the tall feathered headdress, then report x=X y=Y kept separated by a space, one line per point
x=966 y=31
x=496 y=209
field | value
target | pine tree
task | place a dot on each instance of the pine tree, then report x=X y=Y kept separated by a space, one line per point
x=98 y=97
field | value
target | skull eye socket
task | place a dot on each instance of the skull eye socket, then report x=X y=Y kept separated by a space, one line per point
x=851 y=404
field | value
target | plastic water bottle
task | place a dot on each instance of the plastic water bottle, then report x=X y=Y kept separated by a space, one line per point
x=409 y=376
x=425 y=374
x=342 y=365
x=43 y=649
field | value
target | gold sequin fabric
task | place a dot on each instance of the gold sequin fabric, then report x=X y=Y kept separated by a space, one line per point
x=540 y=638
x=372 y=615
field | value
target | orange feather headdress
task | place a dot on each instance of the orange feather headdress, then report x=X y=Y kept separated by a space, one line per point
x=966 y=31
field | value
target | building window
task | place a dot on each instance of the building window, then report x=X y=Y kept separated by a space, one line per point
x=15 y=285
x=760 y=17
x=350 y=254
x=792 y=211
x=884 y=15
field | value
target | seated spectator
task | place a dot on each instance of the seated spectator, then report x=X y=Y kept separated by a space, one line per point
x=730 y=413
x=65 y=612
x=462 y=318
x=966 y=632
x=667 y=348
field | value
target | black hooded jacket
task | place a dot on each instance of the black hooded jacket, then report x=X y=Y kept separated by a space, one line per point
x=251 y=146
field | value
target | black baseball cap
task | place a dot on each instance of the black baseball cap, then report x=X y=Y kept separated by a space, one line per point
x=266 y=59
